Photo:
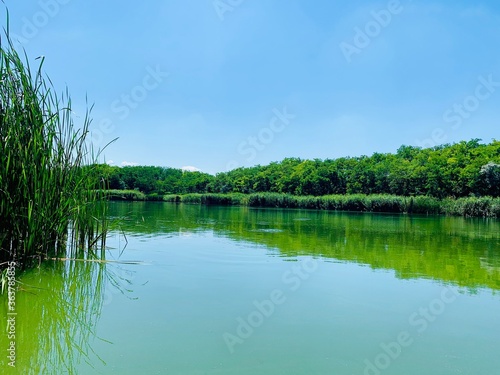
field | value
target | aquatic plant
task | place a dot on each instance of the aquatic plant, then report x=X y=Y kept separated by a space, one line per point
x=50 y=196
x=472 y=207
x=426 y=205
x=126 y=195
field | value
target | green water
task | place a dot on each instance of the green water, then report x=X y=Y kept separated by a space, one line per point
x=224 y=290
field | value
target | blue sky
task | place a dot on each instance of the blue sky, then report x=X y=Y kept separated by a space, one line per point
x=225 y=83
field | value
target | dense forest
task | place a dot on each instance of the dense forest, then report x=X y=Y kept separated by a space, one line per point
x=453 y=170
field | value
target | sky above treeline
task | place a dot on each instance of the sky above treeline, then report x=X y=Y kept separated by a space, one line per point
x=217 y=84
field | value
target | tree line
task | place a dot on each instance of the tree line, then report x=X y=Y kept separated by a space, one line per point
x=467 y=168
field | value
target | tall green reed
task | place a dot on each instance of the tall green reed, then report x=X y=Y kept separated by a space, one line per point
x=354 y=202
x=50 y=199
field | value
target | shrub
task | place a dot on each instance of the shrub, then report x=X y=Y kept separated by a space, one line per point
x=125 y=195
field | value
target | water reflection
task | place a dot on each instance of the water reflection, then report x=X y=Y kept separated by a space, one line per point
x=60 y=303
x=465 y=252
x=58 y=306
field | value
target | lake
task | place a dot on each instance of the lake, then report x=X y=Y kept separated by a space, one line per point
x=234 y=290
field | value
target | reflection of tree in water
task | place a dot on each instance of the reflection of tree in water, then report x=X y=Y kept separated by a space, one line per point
x=59 y=306
x=450 y=249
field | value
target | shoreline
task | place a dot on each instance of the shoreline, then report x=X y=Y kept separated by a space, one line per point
x=486 y=207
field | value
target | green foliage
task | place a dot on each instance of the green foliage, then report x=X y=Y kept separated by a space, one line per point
x=208 y=199
x=273 y=200
x=222 y=199
x=423 y=205
x=490 y=175
x=459 y=170
x=191 y=198
x=154 y=180
x=47 y=188
x=354 y=202
x=172 y=198
x=473 y=207
x=128 y=195
x=154 y=197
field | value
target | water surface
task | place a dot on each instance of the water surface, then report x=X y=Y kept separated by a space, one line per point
x=230 y=290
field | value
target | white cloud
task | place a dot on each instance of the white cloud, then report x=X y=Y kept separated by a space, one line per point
x=190 y=168
x=129 y=164
x=110 y=162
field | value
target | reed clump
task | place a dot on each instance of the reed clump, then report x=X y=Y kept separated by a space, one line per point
x=129 y=195
x=234 y=199
x=426 y=205
x=50 y=196
x=472 y=207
